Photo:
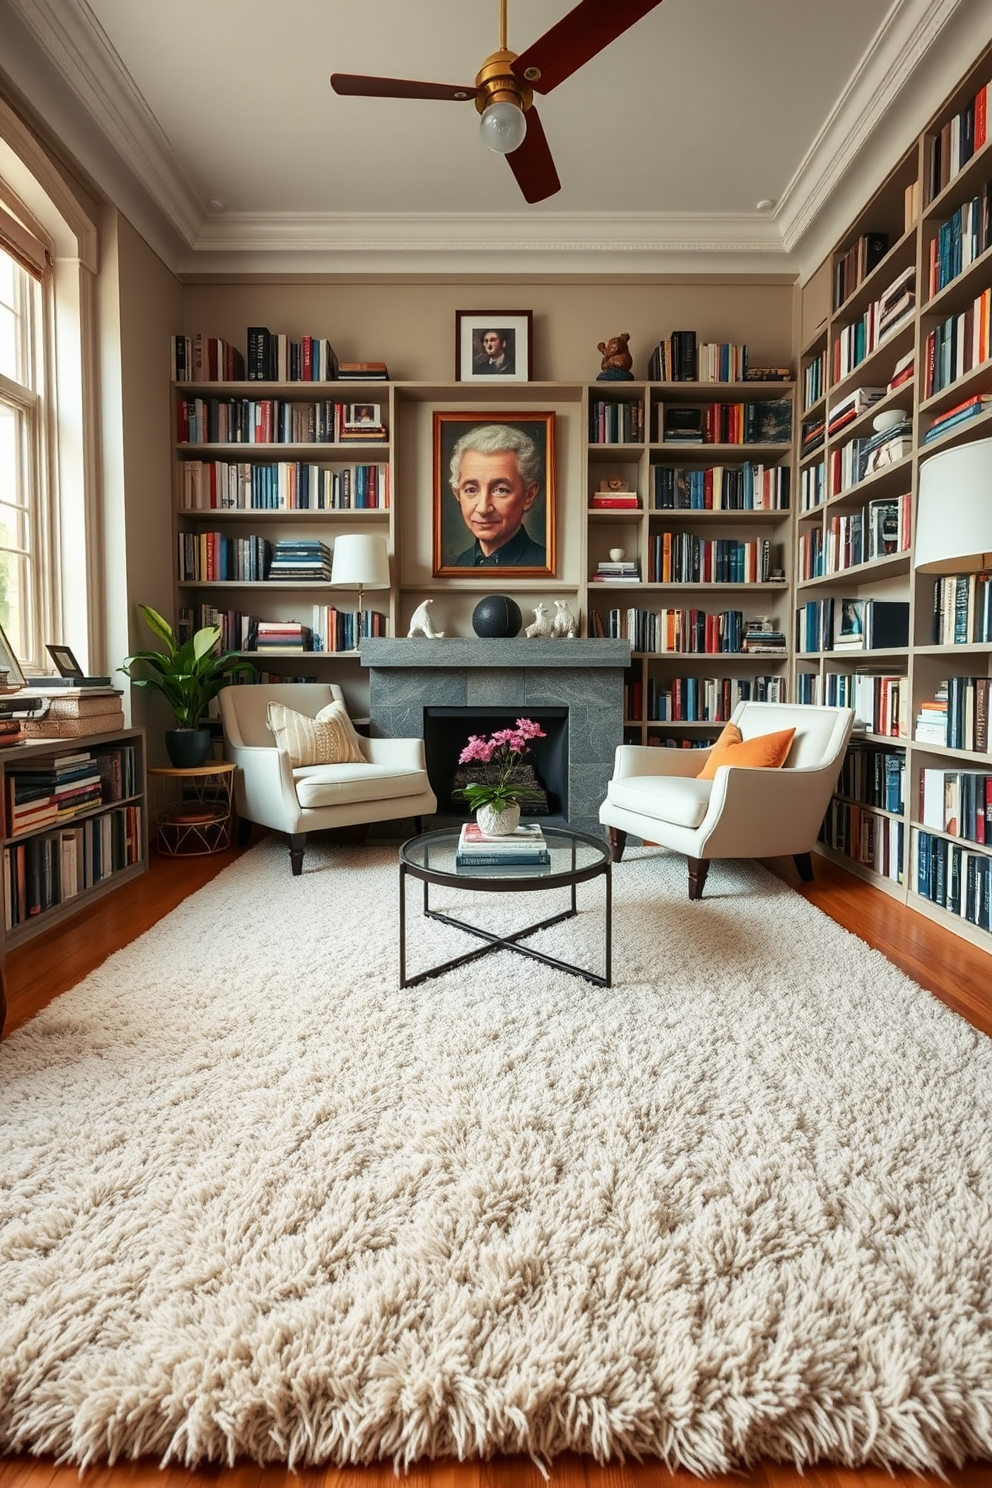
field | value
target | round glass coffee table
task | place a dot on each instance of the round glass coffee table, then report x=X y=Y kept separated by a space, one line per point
x=576 y=857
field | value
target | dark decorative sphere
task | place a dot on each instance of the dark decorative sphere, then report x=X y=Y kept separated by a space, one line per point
x=496 y=616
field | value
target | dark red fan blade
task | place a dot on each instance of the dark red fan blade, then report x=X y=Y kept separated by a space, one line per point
x=577 y=37
x=532 y=164
x=353 y=83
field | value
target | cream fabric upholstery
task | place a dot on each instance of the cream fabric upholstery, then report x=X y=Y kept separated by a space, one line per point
x=742 y=813
x=393 y=783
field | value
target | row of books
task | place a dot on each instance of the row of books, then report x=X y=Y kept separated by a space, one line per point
x=200 y=358
x=301 y=560
x=962 y=413
x=864 y=456
x=680 y=358
x=851 y=624
x=708 y=699
x=766 y=422
x=812 y=487
x=814 y=380
x=687 y=558
x=957 y=717
x=337 y=630
x=878 y=530
x=747 y=487
x=480 y=852
x=873 y=777
x=895 y=307
x=45 y=791
x=280 y=358
x=214 y=557
x=276 y=421
x=248 y=485
x=49 y=869
x=880 y=699
x=866 y=837
x=698 y=632
x=950 y=149
x=962 y=610
x=958 y=802
x=957 y=345
x=960 y=240
x=857 y=263
x=616 y=421
x=958 y=879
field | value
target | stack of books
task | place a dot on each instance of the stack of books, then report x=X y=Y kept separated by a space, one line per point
x=43 y=792
x=931 y=720
x=303 y=561
x=961 y=413
x=609 y=571
x=852 y=407
x=612 y=498
x=363 y=372
x=762 y=637
x=281 y=635
x=524 y=849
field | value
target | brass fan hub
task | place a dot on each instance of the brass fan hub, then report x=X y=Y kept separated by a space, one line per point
x=498 y=84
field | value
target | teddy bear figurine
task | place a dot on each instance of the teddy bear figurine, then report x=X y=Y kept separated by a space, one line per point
x=564 y=622
x=617 y=360
x=540 y=625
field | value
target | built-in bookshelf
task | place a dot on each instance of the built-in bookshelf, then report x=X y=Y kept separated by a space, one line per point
x=908 y=331
x=62 y=848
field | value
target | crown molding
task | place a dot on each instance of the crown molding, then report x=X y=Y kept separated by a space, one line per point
x=75 y=43
x=151 y=181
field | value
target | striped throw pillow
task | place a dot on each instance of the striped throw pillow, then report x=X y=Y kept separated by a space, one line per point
x=328 y=739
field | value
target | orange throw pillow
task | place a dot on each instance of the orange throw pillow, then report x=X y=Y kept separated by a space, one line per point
x=764 y=751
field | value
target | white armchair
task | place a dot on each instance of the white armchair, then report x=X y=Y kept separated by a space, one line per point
x=741 y=813
x=392 y=783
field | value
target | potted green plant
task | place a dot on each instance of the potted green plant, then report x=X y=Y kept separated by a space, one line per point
x=188 y=675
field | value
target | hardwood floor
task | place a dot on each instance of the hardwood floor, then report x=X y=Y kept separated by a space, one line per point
x=955 y=971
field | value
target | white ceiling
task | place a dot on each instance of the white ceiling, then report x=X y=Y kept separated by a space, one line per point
x=664 y=143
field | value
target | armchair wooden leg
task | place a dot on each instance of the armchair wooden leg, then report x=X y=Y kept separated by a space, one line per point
x=698 y=869
x=618 y=841
x=244 y=831
x=418 y=825
x=297 y=842
x=804 y=866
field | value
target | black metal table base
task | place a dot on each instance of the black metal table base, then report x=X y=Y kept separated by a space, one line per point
x=500 y=942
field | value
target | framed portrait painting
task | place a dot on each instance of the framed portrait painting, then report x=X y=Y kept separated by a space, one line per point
x=494 y=494
x=493 y=345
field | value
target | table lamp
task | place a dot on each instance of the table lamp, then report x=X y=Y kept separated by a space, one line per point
x=954 y=510
x=360 y=561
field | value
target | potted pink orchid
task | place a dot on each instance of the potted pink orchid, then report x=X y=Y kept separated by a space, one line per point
x=496 y=800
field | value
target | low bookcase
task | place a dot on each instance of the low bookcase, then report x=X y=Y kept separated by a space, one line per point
x=104 y=844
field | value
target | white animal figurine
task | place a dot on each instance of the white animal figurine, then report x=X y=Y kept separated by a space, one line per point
x=564 y=623
x=421 y=624
x=541 y=625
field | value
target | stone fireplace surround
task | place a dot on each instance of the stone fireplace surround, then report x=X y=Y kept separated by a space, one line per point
x=583 y=675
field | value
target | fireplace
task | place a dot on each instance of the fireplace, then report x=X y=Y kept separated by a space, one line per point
x=446 y=732
x=488 y=679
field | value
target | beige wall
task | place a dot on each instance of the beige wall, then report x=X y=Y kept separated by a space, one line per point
x=411 y=324
x=136 y=322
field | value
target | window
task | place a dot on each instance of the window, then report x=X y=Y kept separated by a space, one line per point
x=21 y=484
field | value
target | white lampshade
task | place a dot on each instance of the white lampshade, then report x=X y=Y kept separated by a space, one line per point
x=359 y=561
x=954 y=509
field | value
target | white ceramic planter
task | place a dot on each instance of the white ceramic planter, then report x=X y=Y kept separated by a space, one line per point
x=498 y=823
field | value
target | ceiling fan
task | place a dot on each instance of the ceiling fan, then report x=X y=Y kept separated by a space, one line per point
x=505 y=85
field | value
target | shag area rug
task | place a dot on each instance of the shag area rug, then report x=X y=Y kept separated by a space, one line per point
x=257 y=1201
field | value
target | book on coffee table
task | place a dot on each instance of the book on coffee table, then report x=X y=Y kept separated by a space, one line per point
x=527 y=839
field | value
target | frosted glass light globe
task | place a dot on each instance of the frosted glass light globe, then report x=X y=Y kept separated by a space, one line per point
x=503 y=127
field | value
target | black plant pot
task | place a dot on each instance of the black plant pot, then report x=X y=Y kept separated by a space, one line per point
x=188 y=748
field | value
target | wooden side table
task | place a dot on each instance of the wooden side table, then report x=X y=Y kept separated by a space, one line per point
x=192 y=810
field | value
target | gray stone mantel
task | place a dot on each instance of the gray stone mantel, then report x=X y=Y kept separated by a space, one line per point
x=583 y=675
x=468 y=651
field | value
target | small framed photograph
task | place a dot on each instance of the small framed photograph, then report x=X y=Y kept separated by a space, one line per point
x=494 y=494
x=362 y=416
x=65 y=663
x=493 y=345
